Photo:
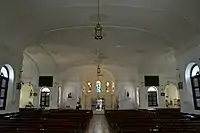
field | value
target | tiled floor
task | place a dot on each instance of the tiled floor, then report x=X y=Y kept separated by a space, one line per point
x=98 y=124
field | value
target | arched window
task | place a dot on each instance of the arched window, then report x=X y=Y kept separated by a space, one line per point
x=4 y=79
x=195 y=82
x=45 y=97
x=59 y=96
x=113 y=87
x=152 y=97
x=89 y=84
x=138 y=96
x=107 y=86
x=98 y=86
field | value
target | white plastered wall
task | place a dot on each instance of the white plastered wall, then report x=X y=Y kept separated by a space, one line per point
x=186 y=95
x=41 y=65
x=15 y=61
x=124 y=82
x=163 y=66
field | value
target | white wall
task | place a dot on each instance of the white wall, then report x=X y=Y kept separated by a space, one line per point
x=126 y=79
x=13 y=95
x=163 y=78
x=186 y=96
x=73 y=87
x=122 y=87
x=33 y=68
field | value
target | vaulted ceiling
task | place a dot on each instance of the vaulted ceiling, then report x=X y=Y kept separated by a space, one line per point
x=134 y=30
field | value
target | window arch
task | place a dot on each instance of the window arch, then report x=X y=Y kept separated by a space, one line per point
x=4 y=79
x=89 y=86
x=4 y=72
x=152 y=97
x=107 y=86
x=195 y=82
x=194 y=70
x=98 y=86
x=113 y=87
x=45 y=97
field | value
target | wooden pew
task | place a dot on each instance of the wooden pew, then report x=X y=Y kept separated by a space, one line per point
x=53 y=121
x=145 y=121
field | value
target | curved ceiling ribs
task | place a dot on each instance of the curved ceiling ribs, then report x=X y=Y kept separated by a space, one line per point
x=150 y=31
x=33 y=61
x=164 y=26
x=136 y=6
x=49 y=54
x=115 y=27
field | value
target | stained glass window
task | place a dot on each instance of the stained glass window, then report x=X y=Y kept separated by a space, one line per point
x=98 y=86
x=113 y=87
x=107 y=86
x=89 y=86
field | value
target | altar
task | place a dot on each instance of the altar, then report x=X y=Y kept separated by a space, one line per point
x=98 y=106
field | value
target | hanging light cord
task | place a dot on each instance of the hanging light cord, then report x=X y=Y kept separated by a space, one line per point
x=98 y=12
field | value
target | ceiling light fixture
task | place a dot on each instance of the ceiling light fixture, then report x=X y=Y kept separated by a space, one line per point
x=98 y=28
x=99 y=74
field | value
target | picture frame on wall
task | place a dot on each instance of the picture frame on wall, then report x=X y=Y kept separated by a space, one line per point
x=162 y=94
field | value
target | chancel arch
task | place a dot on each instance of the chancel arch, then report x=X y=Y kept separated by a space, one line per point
x=98 y=90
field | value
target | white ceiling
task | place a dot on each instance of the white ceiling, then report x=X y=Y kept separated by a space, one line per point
x=135 y=30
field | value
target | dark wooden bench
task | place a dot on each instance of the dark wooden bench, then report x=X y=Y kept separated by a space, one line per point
x=53 y=121
x=145 y=121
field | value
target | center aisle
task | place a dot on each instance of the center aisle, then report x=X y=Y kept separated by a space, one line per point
x=98 y=124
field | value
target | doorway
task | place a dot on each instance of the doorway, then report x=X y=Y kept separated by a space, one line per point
x=172 y=97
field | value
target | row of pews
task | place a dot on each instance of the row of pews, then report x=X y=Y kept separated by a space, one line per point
x=148 y=121
x=40 y=121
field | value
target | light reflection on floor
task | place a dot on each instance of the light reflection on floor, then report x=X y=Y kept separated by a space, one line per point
x=98 y=124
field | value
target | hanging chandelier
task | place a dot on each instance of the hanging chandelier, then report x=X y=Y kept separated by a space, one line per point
x=98 y=28
x=98 y=70
x=99 y=74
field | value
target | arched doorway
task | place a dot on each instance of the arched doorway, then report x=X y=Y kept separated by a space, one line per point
x=152 y=96
x=45 y=97
x=26 y=95
x=172 y=97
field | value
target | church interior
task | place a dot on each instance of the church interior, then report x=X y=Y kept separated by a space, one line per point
x=100 y=66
